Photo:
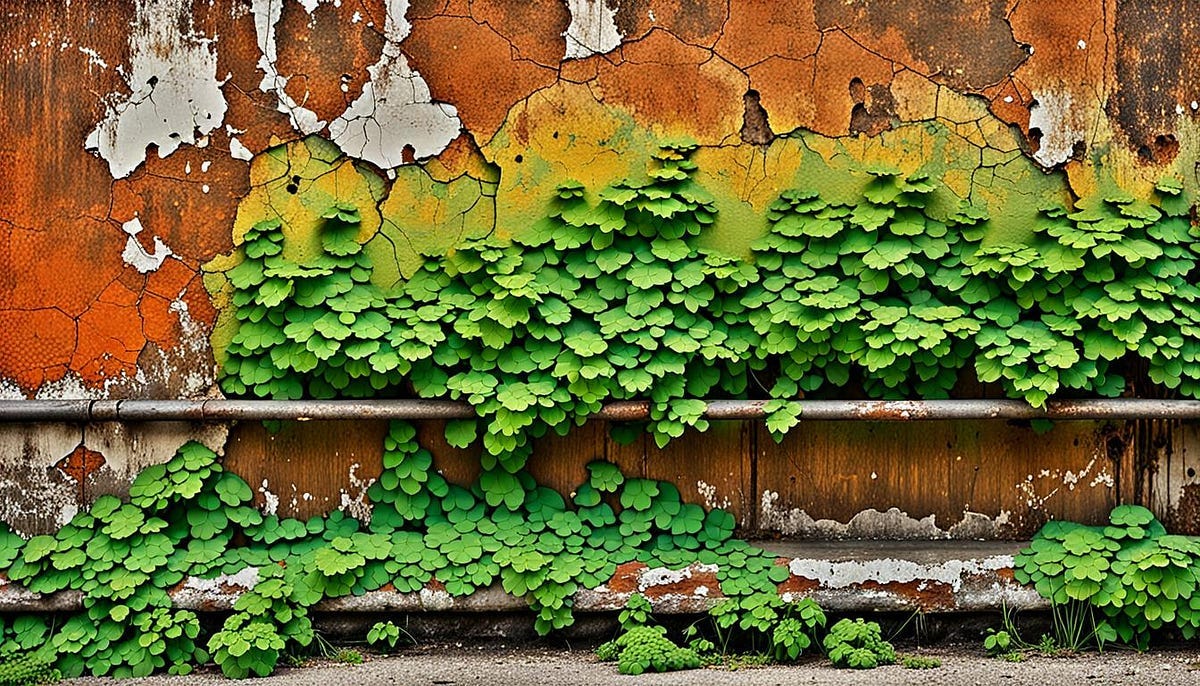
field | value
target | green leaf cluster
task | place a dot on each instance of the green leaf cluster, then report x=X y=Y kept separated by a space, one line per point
x=189 y=518
x=858 y=644
x=1139 y=577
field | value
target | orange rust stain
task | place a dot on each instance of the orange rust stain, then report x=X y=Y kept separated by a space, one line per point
x=800 y=585
x=927 y=595
x=36 y=345
x=79 y=464
x=757 y=32
x=686 y=586
x=840 y=64
x=697 y=23
x=323 y=52
x=662 y=80
x=625 y=579
x=534 y=29
x=476 y=68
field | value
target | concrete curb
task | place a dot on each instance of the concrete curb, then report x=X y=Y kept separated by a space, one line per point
x=851 y=576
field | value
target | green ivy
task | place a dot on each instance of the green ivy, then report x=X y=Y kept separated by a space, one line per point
x=1137 y=576
x=899 y=293
x=190 y=518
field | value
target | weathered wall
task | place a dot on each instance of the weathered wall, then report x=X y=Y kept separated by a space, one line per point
x=139 y=142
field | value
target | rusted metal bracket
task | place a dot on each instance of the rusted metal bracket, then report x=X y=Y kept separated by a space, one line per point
x=222 y=410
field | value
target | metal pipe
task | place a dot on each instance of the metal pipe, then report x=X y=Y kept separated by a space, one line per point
x=220 y=410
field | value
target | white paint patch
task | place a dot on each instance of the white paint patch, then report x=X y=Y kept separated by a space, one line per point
x=238 y=151
x=270 y=500
x=136 y=256
x=395 y=109
x=175 y=95
x=94 y=58
x=266 y=16
x=887 y=570
x=354 y=499
x=1054 y=117
x=893 y=524
x=709 y=493
x=593 y=29
x=221 y=590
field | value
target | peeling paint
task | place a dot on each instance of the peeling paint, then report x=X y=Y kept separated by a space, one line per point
x=266 y=17
x=593 y=29
x=219 y=592
x=175 y=96
x=136 y=256
x=894 y=524
x=395 y=112
x=1052 y=115
x=835 y=574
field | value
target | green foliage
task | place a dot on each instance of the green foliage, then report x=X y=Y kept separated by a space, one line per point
x=642 y=646
x=385 y=634
x=647 y=649
x=998 y=643
x=347 y=656
x=32 y=668
x=919 y=662
x=763 y=618
x=243 y=647
x=613 y=297
x=635 y=613
x=190 y=518
x=857 y=644
x=1135 y=575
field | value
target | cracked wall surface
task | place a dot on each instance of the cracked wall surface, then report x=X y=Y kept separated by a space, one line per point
x=140 y=140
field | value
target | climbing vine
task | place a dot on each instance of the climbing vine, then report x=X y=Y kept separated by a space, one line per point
x=190 y=519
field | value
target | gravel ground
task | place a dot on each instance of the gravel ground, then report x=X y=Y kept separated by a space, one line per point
x=450 y=665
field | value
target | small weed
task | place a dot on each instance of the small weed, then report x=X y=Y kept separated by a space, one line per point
x=1014 y=656
x=919 y=662
x=348 y=656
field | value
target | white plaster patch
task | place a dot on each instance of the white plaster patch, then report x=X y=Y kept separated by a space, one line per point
x=593 y=29
x=354 y=499
x=1054 y=117
x=175 y=96
x=224 y=589
x=136 y=256
x=661 y=576
x=266 y=16
x=395 y=109
x=892 y=524
x=887 y=570
x=270 y=500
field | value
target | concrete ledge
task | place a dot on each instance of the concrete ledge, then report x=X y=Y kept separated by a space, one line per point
x=849 y=576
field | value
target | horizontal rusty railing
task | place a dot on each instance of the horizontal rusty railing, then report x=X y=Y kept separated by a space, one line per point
x=220 y=410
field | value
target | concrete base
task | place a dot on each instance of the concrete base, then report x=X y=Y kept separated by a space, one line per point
x=844 y=577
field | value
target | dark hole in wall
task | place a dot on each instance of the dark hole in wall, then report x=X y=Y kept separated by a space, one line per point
x=1115 y=447
x=1161 y=150
x=875 y=108
x=756 y=129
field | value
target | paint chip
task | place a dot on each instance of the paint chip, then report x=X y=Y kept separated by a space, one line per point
x=593 y=29
x=136 y=256
x=175 y=97
x=395 y=110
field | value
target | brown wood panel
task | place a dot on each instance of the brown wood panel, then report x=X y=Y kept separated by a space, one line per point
x=457 y=465
x=713 y=468
x=308 y=468
x=1009 y=474
x=1175 y=481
